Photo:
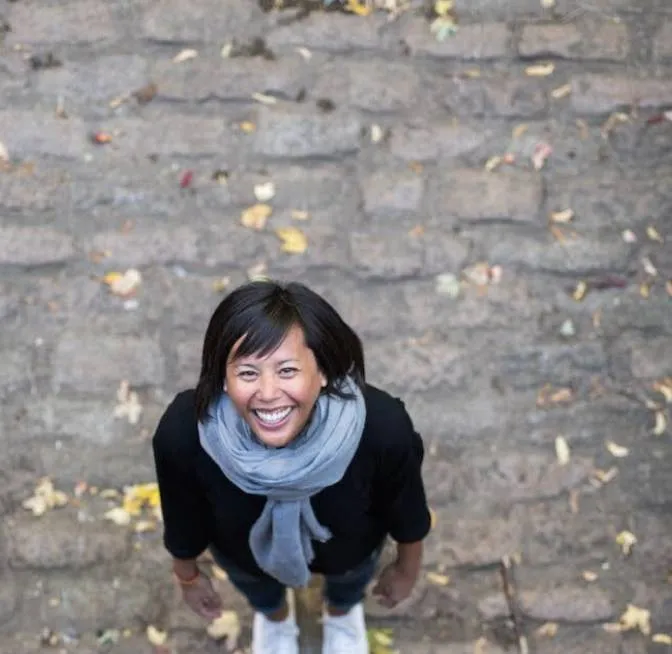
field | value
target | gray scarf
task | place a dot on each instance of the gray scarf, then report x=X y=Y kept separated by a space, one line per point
x=288 y=477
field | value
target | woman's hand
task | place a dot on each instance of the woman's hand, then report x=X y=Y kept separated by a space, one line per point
x=201 y=597
x=395 y=584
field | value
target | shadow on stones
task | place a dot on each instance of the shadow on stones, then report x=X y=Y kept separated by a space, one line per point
x=304 y=7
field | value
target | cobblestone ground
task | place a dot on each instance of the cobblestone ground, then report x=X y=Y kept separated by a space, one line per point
x=381 y=134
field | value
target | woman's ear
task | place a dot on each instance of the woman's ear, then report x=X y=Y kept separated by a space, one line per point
x=323 y=380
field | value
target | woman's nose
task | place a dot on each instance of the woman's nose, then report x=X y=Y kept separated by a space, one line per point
x=267 y=388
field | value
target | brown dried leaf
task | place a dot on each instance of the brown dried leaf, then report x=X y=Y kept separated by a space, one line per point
x=227 y=625
x=540 y=70
x=664 y=387
x=255 y=217
x=580 y=291
x=519 y=130
x=294 y=241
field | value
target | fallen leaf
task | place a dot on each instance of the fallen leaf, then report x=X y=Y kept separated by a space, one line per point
x=645 y=289
x=358 y=7
x=567 y=328
x=221 y=284
x=45 y=497
x=561 y=92
x=227 y=625
x=101 y=138
x=563 y=217
x=257 y=272
x=580 y=291
x=264 y=98
x=123 y=284
x=156 y=637
x=108 y=637
x=627 y=540
x=443 y=7
x=377 y=133
x=264 y=192
x=416 y=231
x=380 y=641
x=144 y=526
x=629 y=236
x=605 y=476
x=433 y=519
x=437 y=579
x=611 y=122
x=225 y=51
x=589 y=576
x=493 y=163
x=562 y=450
x=548 y=630
x=548 y=4
x=653 y=234
x=472 y=73
x=442 y=27
x=660 y=424
x=549 y=396
x=664 y=387
x=255 y=217
x=146 y=94
x=416 y=167
x=542 y=152
x=248 y=127
x=140 y=496
x=294 y=241
x=477 y=274
x=129 y=404
x=540 y=70
x=186 y=179
x=305 y=53
x=300 y=215
x=649 y=268
x=662 y=639
x=519 y=130
x=636 y=618
x=617 y=450
x=185 y=55
x=119 y=516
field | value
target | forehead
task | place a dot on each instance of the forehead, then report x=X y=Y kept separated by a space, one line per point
x=292 y=346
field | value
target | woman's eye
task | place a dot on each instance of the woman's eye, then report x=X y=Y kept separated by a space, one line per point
x=288 y=372
x=247 y=374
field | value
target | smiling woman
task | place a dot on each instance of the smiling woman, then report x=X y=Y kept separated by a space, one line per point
x=258 y=463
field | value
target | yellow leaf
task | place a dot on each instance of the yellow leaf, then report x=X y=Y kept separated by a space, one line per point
x=358 y=7
x=561 y=92
x=294 y=241
x=443 y=7
x=589 y=576
x=156 y=637
x=627 y=540
x=580 y=291
x=645 y=289
x=264 y=192
x=377 y=133
x=185 y=55
x=119 y=516
x=604 y=477
x=473 y=73
x=264 y=98
x=549 y=629
x=139 y=496
x=563 y=217
x=562 y=450
x=123 y=284
x=300 y=215
x=248 y=127
x=617 y=450
x=438 y=579
x=493 y=163
x=661 y=424
x=548 y=4
x=540 y=70
x=109 y=494
x=227 y=625
x=221 y=284
x=653 y=234
x=662 y=639
x=518 y=131
x=255 y=217
x=636 y=618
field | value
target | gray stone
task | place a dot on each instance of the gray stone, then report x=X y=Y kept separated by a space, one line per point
x=188 y=362
x=662 y=43
x=473 y=195
x=28 y=133
x=601 y=94
x=572 y=604
x=503 y=96
x=333 y=33
x=37 y=192
x=604 y=40
x=327 y=249
x=208 y=21
x=294 y=133
x=561 y=365
x=404 y=366
x=82 y=362
x=642 y=357
x=478 y=42
x=426 y=143
x=15 y=370
x=71 y=23
x=34 y=246
x=382 y=86
x=58 y=540
x=96 y=81
x=231 y=245
x=229 y=79
x=144 y=247
x=9 y=596
x=388 y=192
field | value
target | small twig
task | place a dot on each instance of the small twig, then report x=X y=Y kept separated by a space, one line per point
x=506 y=570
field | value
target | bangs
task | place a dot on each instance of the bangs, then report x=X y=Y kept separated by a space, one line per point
x=263 y=331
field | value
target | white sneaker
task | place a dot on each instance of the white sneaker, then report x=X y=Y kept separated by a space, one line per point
x=345 y=634
x=269 y=637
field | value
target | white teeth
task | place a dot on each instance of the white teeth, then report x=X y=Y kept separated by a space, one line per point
x=273 y=416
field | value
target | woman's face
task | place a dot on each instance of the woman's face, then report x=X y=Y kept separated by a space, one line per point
x=276 y=394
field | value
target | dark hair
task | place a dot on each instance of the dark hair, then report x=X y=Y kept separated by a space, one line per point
x=263 y=312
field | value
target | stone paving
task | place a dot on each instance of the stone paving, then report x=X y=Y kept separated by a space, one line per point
x=499 y=235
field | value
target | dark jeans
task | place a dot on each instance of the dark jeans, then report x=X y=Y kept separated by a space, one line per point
x=266 y=594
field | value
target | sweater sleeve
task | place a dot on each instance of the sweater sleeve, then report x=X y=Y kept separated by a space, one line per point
x=405 y=505
x=186 y=515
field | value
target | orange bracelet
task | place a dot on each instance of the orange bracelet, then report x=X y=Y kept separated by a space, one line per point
x=187 y=582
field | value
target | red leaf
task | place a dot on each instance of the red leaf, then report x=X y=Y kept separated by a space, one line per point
x=186 y=180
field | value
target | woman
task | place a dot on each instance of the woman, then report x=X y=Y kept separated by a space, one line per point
x=284 y=462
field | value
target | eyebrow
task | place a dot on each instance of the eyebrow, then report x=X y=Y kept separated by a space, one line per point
x=280 y=363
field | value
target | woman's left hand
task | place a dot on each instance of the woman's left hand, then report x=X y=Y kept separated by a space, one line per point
x=394 y=585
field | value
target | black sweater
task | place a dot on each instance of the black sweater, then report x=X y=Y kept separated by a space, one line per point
x=381 y=493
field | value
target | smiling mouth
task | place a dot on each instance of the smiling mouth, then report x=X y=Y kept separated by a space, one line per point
x=274 y=417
